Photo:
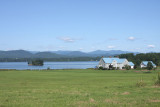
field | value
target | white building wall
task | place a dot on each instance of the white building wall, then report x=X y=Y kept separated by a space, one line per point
x=132 y=67
x=120 y=65
x=101 y=63
x=114 y=63
x=142 y=65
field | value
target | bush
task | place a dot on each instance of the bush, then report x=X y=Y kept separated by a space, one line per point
x=100 y=68
x=114 y=68
x=127 y=67
x=118 y=68
x=158 y=80
x=154 y=68
x=48 y=68
x=138 y=68
x=140 y=83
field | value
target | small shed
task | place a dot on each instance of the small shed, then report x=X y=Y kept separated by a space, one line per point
x=131 y=64
x=144 y=64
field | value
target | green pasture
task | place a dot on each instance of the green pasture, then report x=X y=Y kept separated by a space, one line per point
x=78 y=88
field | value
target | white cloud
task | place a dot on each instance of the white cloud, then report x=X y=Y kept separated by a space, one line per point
x=151 y=46
x=131 y=38
x=80 y=48
x=67 y=39
x=110 y=47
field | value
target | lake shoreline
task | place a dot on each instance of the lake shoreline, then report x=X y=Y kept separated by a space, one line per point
x=49 y=65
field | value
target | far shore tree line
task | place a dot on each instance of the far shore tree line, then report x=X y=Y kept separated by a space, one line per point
x=136 y=59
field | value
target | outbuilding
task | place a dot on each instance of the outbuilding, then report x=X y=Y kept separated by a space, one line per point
x=131 y=64
x=144 y=64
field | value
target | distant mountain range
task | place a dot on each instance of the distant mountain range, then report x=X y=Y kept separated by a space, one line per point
x=59 y=54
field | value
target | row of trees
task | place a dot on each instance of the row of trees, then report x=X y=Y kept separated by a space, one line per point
x=138 y=58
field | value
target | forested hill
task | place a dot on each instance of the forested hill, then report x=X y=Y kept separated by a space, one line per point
x=57 y=54
x=138 y=58
x=22 y=55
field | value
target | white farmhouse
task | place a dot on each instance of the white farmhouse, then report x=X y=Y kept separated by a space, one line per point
x=115 y=62
x=144 y=64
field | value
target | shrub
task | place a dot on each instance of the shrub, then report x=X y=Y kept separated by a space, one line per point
x=118 y=68
x=100 y=68
x=114 y=68
x=48 y=68
x=139 y=68
x=158 y=80
x=127 y=67
x=154 y=68
x=105 y=68
x=140 y=83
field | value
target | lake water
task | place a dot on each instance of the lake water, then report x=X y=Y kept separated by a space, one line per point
x=51 y=65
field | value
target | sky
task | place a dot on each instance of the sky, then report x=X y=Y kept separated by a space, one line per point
x=80 y=25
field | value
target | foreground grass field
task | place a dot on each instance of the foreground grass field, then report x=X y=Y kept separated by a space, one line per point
x=78 y=88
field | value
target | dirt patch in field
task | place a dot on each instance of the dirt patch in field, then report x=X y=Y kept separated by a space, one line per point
x=91 y=100
x=137 y=71
x=154 y=101
x=156 y=86
x=81 y=102
x=144 y=70
x=75 y=93
x=110 y=101
x=125 y=93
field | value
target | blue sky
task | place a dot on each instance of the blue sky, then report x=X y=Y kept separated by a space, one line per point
x=86 y=25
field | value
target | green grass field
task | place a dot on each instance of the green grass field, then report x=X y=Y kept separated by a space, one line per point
x=78 y=88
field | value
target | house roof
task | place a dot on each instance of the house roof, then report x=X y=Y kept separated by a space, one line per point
x=146 y=62
x=120 y=60
x=110 y=60
x=131 y=63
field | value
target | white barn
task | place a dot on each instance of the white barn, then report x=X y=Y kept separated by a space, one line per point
x=144 y=64
x=115 y=62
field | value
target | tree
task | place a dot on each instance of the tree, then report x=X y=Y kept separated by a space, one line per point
x=37 y=62
x=110 y=67
x=135 y=66
x=149 y=66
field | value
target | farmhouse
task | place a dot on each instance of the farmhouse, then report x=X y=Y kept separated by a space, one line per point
x=115 y=62
x=144 y=64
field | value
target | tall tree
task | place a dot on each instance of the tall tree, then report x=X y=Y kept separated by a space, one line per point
x=149 y=66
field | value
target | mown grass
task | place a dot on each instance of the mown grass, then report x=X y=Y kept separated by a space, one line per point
x=78 y=88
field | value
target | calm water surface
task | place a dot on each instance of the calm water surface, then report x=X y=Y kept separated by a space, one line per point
x=51 y=65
